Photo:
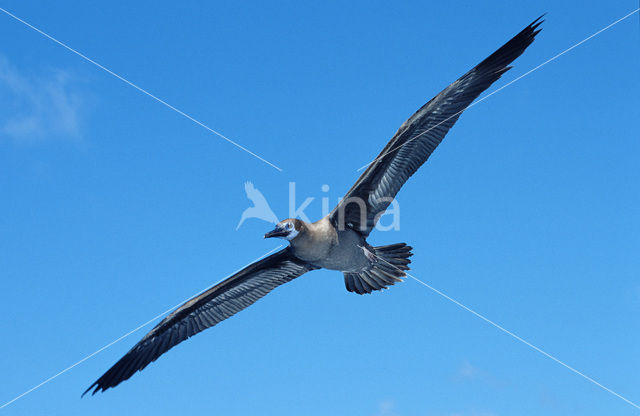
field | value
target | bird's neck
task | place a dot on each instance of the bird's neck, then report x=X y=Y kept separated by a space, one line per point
x=314 y=241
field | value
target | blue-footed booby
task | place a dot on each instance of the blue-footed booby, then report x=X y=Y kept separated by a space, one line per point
x=337 y=241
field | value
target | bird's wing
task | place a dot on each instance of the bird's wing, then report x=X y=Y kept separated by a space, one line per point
x=203 y=311
x=418 y=137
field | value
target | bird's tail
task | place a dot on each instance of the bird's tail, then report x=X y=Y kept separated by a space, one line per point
x=387 y=267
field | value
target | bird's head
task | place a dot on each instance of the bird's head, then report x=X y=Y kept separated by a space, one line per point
x=287 y=229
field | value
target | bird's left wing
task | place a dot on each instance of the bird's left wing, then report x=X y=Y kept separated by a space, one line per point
x=418 y=137
x=204 y=311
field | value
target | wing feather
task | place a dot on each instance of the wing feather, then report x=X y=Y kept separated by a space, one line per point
x=204 y=311
x=418 y=137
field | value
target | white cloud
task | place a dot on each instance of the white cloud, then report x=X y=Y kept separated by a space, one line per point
x=466 y=371
x=38 y=107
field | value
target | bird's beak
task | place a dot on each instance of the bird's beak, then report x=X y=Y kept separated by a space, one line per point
x=277 y=232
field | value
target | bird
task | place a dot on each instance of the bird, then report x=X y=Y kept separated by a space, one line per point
x=339 y=240
x=260 y=208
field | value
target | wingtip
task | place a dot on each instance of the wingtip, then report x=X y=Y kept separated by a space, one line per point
x=96 y=387
x=536 y=23
x=541 y=16
x=87 y=390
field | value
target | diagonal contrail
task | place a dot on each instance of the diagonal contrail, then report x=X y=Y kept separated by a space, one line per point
x=37 y=386
x=504 y=86
x=506 y=331
x=142 y=90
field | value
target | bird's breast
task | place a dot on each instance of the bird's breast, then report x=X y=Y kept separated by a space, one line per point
x=344 y=253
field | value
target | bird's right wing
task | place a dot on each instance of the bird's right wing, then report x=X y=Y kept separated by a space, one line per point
x=204 y=311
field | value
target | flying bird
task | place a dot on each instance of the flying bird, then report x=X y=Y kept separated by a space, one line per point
x=337 y=241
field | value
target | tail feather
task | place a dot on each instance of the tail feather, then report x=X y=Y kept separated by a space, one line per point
x=367 y=278
x=387 y=268
x=378 y=278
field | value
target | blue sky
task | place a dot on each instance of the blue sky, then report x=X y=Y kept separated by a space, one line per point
x=114 y=208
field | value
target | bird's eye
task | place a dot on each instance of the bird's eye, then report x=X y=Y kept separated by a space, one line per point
x=289 y=226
